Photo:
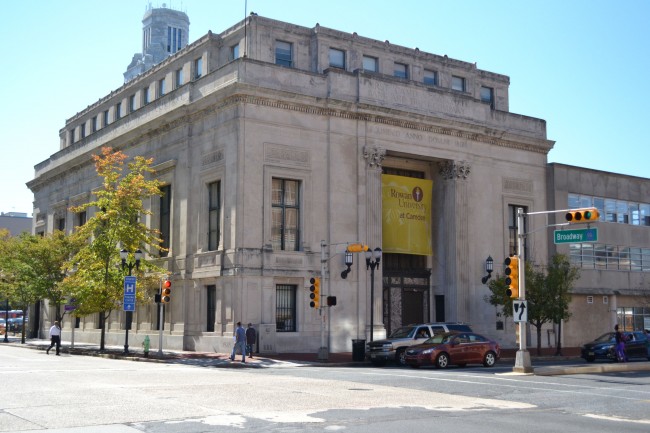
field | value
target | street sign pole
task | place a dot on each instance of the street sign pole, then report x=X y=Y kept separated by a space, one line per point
x=522 y=358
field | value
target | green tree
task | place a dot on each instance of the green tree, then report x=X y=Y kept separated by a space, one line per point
x=96 y=279
x=547 y=293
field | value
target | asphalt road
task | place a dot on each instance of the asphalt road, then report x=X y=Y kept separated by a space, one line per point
x=72 y=393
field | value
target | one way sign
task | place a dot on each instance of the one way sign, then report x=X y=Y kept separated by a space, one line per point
x=520 y=311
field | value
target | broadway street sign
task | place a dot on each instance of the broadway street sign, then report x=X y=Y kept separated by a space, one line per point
x=575 y=236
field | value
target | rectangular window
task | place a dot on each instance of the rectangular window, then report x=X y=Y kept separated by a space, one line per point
x=60 y=224
x=283 y=54
x=132 y=103
x=337 y=58
x=610 y=210
x=622 y=212
x=214 y=215
x=211 y=297
x=198 y=68
x=93 y=124
x=512 y=229
x=145 y=96
x=81 y=218
x=161 y=87
x=106 y=119
x=285 y=308
x=635 y=216
x=644 y=210
x=285 y=215
x=165 y=218
x=234 y=52
x=370 y=64
x=118 y=110
x=72 y=136
x=487 y=95
x=458 y=83
x=430 y=77
x=179 y=77
x=82 y=131
x=401 y=70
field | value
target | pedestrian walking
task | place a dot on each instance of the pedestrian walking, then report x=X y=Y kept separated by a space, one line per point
x=240 y=342
x=620 y=345
x=55 y=338
x=251 y=336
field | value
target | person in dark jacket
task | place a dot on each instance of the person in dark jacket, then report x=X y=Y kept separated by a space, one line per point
x=240 y=341
x=620 y=345
x=251 y=336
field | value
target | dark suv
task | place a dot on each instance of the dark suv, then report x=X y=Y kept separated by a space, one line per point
x=394 y=347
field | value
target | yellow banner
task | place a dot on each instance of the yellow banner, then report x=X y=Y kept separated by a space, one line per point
x=406 y=215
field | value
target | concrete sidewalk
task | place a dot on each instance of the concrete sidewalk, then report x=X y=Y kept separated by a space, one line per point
x=280 y=360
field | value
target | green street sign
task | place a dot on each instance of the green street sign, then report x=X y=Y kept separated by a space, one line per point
x=575 y=236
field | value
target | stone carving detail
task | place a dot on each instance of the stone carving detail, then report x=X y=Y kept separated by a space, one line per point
x=374 y=156
x=454 y=169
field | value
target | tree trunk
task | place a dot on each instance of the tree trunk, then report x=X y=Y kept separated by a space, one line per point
x=539 y=338
x=102 y=340
x=558 y=352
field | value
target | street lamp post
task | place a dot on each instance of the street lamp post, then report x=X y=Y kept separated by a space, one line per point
x=372 y=262
x=129 y=314
x=7 y=321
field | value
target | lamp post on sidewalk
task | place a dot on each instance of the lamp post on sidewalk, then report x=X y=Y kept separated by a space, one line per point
x=129 y=314
x=372 y=261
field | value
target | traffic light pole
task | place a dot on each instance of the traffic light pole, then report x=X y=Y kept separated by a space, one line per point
x=161 y=313
x=522 y=358
x=323 y=351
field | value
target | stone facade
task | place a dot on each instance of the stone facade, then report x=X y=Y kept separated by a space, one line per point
x=239 y=124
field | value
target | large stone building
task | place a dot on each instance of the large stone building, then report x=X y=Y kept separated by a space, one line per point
x=278 y=146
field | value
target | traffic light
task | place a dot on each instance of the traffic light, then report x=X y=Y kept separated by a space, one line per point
x=512 y=276
x=314 y=294
x=166 y=292
x=582 y=215
x=356 y=248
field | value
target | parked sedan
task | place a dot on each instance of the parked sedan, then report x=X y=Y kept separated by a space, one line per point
x=454 y=348
x=604 y=347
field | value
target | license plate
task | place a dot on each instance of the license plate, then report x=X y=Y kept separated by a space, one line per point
x=591 y=353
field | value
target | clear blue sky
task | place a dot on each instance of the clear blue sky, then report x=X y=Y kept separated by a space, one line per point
x=581 y=65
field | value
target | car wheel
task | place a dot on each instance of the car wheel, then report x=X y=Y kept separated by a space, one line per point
x=442 y=361
x=400 y=357
x=490 y=359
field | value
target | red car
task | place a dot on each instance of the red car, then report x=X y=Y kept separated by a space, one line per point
x=459 y=348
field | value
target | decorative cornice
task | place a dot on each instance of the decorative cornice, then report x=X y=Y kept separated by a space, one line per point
x=454 y=169
x=374 y=156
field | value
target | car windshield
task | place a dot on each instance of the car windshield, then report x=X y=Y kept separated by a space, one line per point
x=439 y=339
x=404 y=332
x=605 y=338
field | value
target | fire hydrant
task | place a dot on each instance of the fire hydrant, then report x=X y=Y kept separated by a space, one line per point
x=145 y=345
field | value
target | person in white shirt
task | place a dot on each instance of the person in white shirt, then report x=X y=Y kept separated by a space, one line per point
x=55 y=338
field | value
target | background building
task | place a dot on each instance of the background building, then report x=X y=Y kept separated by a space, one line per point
x=16 y=222
x=278 y=145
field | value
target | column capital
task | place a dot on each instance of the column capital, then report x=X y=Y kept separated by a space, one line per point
x=374 y=156
x=454 y=169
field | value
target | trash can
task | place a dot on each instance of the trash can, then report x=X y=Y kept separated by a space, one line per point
x=358 y=350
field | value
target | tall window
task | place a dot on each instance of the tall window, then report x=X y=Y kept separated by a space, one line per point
x=132 y=103
x=174 y=37
x=93 y=124
x=211 y=307
x=198 y=68
x=72 y=136
x=337 y=58
x=285 y=308
x=82 y=130
x=105 y=116
x=179 y=77
x=145 y=96
x=234 y=52
x=161 y=87
x=81 y=218
x=430 y=77
x=283 y=53
x=458 y=83
x=165 y=217
x=512 y=229
x=370 y=64
x=401 y=70
x=285 y=233
x=118 y=110
x=487 y=95
x=60 y=224
x=214 y=212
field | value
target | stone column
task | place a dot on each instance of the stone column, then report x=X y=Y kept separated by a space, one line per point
x=456 y=239
x=374 y=157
